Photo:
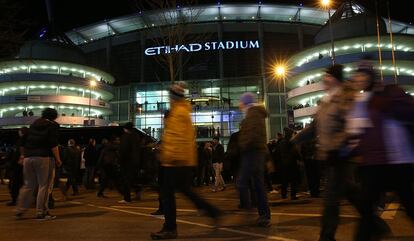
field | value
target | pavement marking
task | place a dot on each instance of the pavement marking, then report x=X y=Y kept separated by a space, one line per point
x=241 y=212
x=390 y=211
x=149 y=208
x=197 y=224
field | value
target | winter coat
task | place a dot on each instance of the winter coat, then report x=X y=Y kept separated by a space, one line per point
x=71 y=158
x=109 y=155
x=218 y=153
x=178 y=147
x=252 y=136
x=41 y=138
x=329 y=124
x=389 y=104
x=130 y=150
x=91 y=155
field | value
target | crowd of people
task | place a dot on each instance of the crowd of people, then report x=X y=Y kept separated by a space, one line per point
x=360 y=144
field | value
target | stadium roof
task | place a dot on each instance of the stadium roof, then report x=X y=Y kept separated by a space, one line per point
x=209 y=13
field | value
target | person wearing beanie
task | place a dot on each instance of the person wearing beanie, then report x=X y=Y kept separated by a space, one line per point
x=329 y=127
x=178 y=158
x=253 y=148
x=129 y=160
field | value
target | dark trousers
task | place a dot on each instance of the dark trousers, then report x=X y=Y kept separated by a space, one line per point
x=90 y=176
x=377 y=180
x=16 y=182
x=289 y=176
x=108 y=173
x=201 y=173
x=252 y=169
x=126 y=183
x=160 y=183
x=340 y=183
x=313 y=176
x=180 y=179
x=72 y=181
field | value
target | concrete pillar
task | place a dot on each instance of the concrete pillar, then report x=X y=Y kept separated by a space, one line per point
x=263 y=75
x=220 y=38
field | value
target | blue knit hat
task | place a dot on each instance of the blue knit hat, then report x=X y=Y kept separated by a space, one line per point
x=248 y=98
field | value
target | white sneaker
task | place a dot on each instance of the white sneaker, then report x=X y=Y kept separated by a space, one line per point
x=123 y=202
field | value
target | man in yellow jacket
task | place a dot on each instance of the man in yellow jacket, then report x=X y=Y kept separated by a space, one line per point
x=178 y=160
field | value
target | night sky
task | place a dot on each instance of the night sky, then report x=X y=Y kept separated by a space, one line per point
x=31 y=15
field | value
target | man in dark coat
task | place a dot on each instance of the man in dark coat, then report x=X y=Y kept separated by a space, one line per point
x=312 y=167
x=130 y=152
x=71 y=164
x=108 y=164
x=253 y=147
x=91 y=156
x=289 y=168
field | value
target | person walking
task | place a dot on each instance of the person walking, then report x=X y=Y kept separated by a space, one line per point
x=91 y=155
x=217 y=160
x=71 y=164
x=329 y=126
x=178 y=159
x=381 y=126
x=253 y=148
x=108 y=164
x=129 y=160
x=40 y=145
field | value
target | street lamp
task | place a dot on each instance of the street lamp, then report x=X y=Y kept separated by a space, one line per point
x=280 y=71
x=92 y=85
x=327 y=4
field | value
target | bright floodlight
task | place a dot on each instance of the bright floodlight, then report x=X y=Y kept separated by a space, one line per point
x=325 y=3
x=92 y=83
x=280 y=70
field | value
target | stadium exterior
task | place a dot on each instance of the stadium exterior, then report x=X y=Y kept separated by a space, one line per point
x=235 y=56
x=47 y=74
x=236 y=50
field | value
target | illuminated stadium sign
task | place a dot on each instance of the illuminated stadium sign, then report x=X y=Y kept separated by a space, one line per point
x=207 y=46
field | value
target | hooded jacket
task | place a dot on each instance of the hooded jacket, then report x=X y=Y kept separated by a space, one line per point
x=41 y=138
x=252 y=136
x=178 y=147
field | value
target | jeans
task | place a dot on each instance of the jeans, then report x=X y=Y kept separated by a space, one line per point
x=180 y=179
x=377 y=180
x=252 y=169
x=219 y=181
x=340 y=183
x=37 y=174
